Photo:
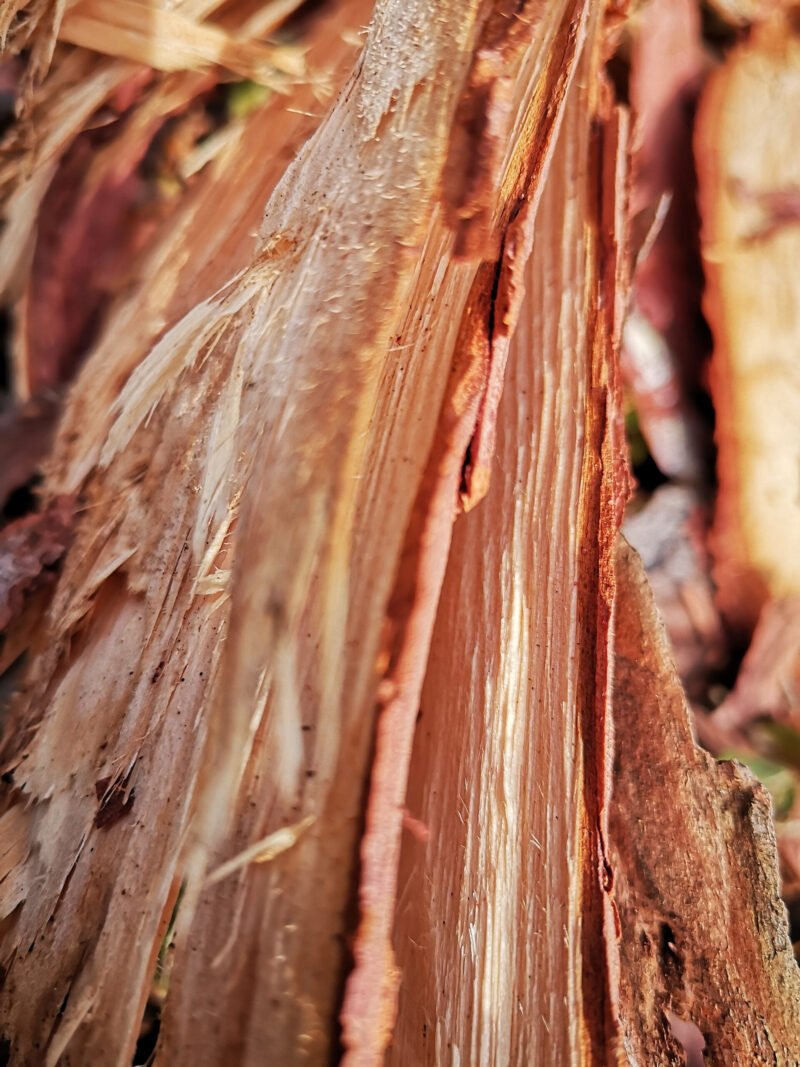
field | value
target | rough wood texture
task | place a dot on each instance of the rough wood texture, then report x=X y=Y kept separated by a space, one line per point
x=749 y=171
x=222 y=699
x=497 y=939
x=68 y=177
x=704 y=935
x=211 y=236
x=458 y=464
x=258 y=477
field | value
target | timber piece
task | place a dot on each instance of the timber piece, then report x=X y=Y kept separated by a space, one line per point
x=768 y=683
x=499 y=932
x=704 y=939
x=744 y=12
x=670 y=532
x=98 y=213
x=749 y=176
x=216 y=641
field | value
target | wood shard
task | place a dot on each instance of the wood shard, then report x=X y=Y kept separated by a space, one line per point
x=489 y=907
x=663 y=349
x=768 y=682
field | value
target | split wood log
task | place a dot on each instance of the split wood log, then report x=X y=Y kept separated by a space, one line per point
x=230 y=672
x=255 y=479
x=502 y=911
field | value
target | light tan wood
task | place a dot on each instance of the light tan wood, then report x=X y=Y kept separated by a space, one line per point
x=749 y=175
x=218 y=634
x=490 y=933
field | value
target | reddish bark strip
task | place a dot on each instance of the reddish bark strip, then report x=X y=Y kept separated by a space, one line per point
x=704 y=935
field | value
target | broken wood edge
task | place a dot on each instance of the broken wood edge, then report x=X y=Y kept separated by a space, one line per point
x=370 y=997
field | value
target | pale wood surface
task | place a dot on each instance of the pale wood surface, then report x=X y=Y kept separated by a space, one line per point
x=244 y=483
x=749 y=176
x=488 y=931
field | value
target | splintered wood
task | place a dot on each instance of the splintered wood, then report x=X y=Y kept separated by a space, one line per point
x=267 y=650
x=211 y=649
x=488 y=931
x=68 y=170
